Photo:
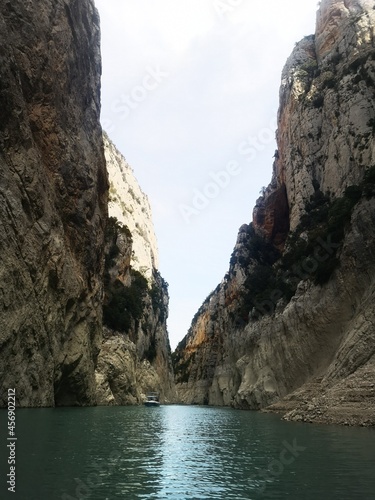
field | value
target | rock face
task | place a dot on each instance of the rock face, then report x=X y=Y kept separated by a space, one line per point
x=135 y=357
x=326 y=104
x=123 y=378
x=291 y=328
x=130 y=206
x=53 y=201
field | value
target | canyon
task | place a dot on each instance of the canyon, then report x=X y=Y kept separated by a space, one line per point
x=135 y=356
x=290 y=328
x=83 y=307
x=69 y=244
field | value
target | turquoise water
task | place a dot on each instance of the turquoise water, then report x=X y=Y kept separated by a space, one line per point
x=182 y=452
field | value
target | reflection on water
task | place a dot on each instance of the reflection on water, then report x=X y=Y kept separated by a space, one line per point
x=176 y=452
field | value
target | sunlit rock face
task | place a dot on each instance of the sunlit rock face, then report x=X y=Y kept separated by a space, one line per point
x=53 y=203
x=135 y=355
x=291 y=326
x=130 y=205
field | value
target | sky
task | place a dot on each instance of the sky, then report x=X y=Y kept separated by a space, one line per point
x=190 y=93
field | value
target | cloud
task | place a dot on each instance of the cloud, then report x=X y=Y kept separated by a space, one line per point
x=222 y=87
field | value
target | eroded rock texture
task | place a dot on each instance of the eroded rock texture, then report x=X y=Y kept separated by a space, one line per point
x=53 y=201
x=131 y=206
x=293 y=322
x=135 y=356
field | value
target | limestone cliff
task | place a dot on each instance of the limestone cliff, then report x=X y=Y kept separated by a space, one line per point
x=53 y=201
x=135 y=356
x=292 y=325
x=130 y=206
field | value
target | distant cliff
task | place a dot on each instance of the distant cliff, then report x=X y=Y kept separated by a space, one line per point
x=291 y=326
x=53 y=201
x=135 y=357
x=130 y=206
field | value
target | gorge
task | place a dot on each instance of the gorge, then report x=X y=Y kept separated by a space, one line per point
x=83 y=307
x=135 y=356
x=291 y=326
x=63 y=259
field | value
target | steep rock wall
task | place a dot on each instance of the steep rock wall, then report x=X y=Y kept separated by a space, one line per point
x=326 y=104
x=53 y=201
x=306 y=343
x=135 y=357
x=130 y=206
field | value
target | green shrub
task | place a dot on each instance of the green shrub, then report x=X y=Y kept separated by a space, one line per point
x=181 y=368
x=369 y=183
x=255 y=248
x=325 y=221
x=125 y=305
x=316 y=210
x=113 y=229
x=157 y=300
x=310 y=67
x=339 y=215
x=369 y=177
x=330 y=83
x=353 y=193
x=371 y=124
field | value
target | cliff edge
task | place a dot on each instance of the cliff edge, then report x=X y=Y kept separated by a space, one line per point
x=53 y=201
x=135 y=356
x=291 y=326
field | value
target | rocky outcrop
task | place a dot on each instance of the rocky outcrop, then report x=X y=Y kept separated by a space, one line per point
x=53 y=201
x=291 y=326
x=326 y=105
x=135 y=357
x=122 y=377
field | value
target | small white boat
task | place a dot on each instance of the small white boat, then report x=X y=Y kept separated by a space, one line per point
x=152 y=399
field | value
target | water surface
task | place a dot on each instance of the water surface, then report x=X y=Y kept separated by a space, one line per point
x=182 y=452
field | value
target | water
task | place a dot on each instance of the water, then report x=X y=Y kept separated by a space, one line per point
x=177 y=452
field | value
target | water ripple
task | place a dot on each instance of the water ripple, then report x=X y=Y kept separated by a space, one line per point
x=187 y=453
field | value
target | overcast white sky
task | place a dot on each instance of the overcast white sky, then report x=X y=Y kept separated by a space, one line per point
x=189 y=91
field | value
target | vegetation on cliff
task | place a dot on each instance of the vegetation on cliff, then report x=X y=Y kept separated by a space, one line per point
x=128 y=297
x=294 y=315
x=311 y=251
x=135 y=354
